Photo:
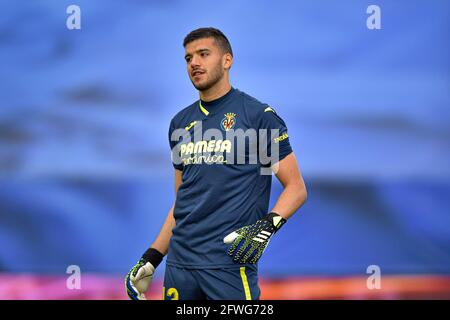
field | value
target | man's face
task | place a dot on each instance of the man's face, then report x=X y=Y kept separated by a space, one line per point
x=205 y=63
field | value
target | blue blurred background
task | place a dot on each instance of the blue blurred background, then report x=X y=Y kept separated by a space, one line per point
x=85 y=169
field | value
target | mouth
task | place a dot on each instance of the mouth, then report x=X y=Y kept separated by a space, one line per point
x=197 y=73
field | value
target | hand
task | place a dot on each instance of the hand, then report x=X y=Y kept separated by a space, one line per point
x=138 y=279
x=140 y=276
x=248 y=243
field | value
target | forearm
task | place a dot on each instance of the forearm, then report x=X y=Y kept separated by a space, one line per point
x=291 y=199
x=161 y=242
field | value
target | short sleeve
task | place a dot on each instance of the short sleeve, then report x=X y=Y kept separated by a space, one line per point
x=173 y=141
x=274 y=138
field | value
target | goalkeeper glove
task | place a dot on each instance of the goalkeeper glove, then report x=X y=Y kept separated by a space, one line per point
x=140 y=276
x=248 y=243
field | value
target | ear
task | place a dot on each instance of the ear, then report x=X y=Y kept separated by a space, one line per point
x=227 y=61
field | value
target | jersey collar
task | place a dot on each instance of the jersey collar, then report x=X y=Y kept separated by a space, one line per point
x=212 y=107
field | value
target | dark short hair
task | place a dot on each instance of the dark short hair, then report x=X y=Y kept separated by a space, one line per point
x=219 y=37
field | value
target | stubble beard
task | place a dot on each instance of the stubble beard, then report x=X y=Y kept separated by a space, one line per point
x=216 y=75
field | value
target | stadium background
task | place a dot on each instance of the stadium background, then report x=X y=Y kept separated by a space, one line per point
x=85 y=168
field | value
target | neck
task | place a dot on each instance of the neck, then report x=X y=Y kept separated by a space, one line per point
x=218 y=90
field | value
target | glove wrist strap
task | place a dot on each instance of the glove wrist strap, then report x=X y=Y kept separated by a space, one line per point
x=153 y=256
x=276 y=220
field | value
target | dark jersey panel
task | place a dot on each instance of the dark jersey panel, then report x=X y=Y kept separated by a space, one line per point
x=219 y=146
x=277 y=139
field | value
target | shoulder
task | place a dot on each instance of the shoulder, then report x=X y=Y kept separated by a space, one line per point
x=183 y=116
x=256 y=109
x=253 y=107
x=250 y=102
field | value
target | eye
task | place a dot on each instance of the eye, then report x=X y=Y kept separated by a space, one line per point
x=204 y=54
x=188 y=59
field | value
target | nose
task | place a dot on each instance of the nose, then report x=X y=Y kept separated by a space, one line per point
x=194 y=62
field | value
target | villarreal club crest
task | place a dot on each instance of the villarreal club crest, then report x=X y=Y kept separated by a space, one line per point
x=229 y=121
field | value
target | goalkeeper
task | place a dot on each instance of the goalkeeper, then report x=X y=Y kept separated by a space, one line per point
x=220 y=224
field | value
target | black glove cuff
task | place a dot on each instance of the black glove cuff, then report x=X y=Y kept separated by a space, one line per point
x=153 y=256
x=276 y=220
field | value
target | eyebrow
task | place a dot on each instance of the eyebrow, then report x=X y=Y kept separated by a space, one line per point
x=198 y=51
